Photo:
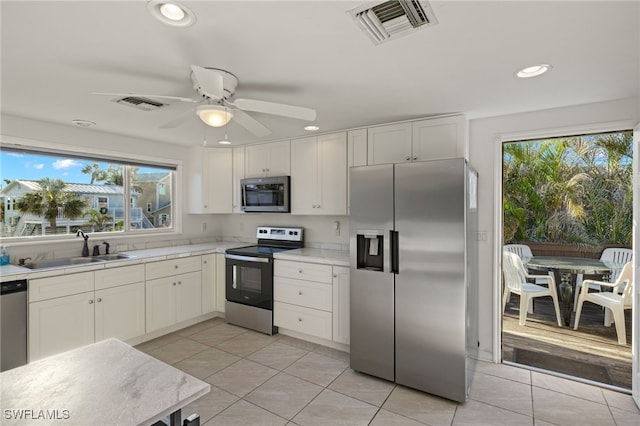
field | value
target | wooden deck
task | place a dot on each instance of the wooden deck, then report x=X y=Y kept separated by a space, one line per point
x=592 y=343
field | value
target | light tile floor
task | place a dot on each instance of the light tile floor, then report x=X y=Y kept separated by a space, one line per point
x=278 y=380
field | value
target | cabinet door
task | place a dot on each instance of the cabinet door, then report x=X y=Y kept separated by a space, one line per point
x=389 y=144
x=332 y=176
x=218 y=180
x=356 y=154
x=221 y=274
x=279 y=159
x=238 y=174
x=160 y=303
x=256 y=160
x=304 y=175
x=119 y=312
x=60 y=324
x=208 y=283
x=341 y=304
x=439 y=138
x=188 y=296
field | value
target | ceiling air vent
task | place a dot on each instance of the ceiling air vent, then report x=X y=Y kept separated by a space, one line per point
x=388 y=20
x=142 y=104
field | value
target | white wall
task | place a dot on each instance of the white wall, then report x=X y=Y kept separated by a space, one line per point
x=485 y=157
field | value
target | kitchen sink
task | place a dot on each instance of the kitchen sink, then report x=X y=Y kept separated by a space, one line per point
x=76 y=261
x=114 y=256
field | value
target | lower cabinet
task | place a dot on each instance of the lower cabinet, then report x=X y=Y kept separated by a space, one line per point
x=312 y=298
x=74 y=310
x=221 y=282
x=173 y=299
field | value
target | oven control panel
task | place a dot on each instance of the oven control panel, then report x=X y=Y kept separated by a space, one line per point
x=279 y=233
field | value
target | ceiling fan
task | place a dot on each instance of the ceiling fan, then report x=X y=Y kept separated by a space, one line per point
x=215 y=108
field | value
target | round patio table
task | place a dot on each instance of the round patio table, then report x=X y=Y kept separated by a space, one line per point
x=570 y=270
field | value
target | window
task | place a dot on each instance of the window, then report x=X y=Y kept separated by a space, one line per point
x=48 y=193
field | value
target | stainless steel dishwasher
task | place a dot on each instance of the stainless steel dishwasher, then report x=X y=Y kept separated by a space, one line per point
x=13 y=316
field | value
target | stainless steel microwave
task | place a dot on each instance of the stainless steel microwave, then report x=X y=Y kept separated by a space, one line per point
x=268 y=194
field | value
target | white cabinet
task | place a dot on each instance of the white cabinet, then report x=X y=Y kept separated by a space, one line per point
x=73 y=310
x=210 y=180
x=173 y=291
x=238 y=174
x=356 y=154
x=303 y=298
x=319 y=175
x=341 y=291
x=208 y=283
x=389 y=144
x=438 y=138
x=269 y=159
x=119 y=303
x=429 y=139
x=220 y=282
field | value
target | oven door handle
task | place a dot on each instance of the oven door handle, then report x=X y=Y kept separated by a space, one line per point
x=247 y=258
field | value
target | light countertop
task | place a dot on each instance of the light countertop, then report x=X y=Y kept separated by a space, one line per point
x=316 y=255
x=107 y=383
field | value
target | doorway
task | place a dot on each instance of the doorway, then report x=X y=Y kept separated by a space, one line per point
x=568 y=197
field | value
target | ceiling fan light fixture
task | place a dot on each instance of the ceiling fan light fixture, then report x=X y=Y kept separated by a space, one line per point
x=214 y=115
x=171 y=13
x=224 y=142
x=533 y=71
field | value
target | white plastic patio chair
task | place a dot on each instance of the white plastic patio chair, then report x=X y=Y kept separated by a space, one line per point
x=612 y=255
x=515 y=280
x=525 y=253
x=610 y=300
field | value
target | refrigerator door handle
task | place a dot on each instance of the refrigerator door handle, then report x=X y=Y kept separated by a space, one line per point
x=394 y=252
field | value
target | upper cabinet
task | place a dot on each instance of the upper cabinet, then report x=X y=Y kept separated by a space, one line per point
x=319 y=175
x=356 y=155
x=428 y=139
x=238 y=174
x=269 y=159
x=210 y=180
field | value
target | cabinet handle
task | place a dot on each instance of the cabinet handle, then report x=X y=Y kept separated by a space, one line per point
x=299 y=271
x=408 y=158
x=205 y=206
x=268 y=170
x=175 y=266
x=415 y=158
x=335 y=275
x=299 y=319
x=90 y=301
x=299 y=293
x=204 y=261
x=174 y=283
x=179 y=282
x=264 y=170
x=99 y=299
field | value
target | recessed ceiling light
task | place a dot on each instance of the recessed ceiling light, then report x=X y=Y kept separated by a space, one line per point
x=533 y=71
x=83 y=123
x=171 y=13
x=311 y=128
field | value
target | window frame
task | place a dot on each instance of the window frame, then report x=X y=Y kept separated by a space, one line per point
x=104 y=156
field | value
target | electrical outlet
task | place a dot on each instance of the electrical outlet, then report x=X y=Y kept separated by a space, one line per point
x=203 y=226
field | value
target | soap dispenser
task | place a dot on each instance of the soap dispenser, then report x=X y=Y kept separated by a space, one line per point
x=4 y=256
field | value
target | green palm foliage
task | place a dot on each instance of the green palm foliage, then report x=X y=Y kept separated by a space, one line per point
x=575 y=190
x=51 y=196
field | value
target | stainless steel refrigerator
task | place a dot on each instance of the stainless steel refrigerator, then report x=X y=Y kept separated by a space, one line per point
x=413 y=244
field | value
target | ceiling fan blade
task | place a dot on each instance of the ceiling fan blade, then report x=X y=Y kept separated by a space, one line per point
x=250 y=123
x=211 y=82
x=175 y=98
x=179 y=120
x=274 y=108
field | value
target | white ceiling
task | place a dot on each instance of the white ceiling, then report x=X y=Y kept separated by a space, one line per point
x=54 y=54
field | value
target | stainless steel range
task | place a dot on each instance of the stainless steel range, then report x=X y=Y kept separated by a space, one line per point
x=249 y=277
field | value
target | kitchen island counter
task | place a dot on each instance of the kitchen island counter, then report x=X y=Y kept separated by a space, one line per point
x=106 y=383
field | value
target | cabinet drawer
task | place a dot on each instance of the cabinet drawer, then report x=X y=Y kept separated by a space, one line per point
x=304 y=320
x=113 y=277
x=63 y=285
x=167 y=268
x=303 y=271
x=303 y=293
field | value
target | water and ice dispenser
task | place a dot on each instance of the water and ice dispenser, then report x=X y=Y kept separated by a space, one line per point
x=370 y=247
